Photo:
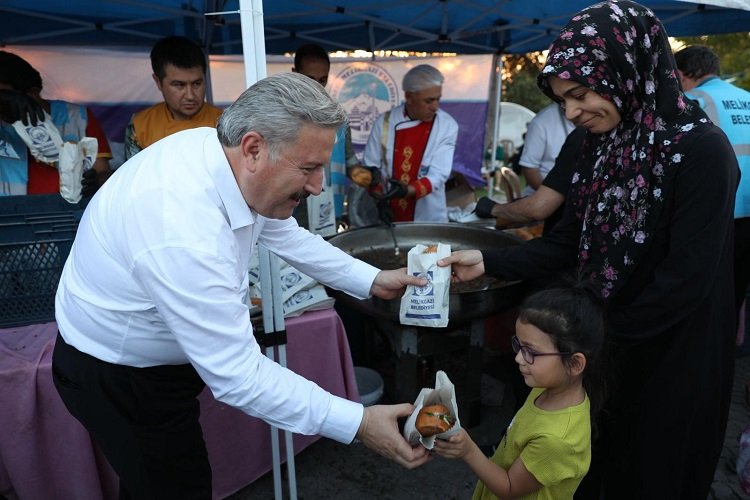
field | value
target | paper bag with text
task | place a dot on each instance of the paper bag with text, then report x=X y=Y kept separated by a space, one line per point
x=427 y=305
x=321 y=212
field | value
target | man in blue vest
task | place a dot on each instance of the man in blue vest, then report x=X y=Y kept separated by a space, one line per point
x=728 y=107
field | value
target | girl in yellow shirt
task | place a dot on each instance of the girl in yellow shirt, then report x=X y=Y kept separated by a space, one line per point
x=546 y=449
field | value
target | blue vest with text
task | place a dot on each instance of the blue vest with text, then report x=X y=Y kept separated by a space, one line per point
x=729 y=108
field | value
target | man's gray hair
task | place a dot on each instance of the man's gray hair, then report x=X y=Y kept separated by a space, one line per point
x=422 y=77
x=276 y=108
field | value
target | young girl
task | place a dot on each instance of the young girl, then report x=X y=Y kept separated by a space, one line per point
x=546 y=450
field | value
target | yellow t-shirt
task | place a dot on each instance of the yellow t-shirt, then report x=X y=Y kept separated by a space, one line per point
x=156 y=123
x=555 y=446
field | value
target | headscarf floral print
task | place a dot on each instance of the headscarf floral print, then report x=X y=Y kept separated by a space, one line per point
x=621 y=179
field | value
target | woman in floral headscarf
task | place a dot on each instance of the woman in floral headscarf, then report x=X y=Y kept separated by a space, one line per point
x=649 y=220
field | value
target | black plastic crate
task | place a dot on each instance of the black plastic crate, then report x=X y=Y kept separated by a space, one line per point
x=36 y=234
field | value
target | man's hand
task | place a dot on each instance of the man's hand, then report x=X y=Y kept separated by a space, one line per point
x=466 y=264
x=379 y=432
x=484 y=207
x=16 y=106
x=392 y=284
x=364 y=176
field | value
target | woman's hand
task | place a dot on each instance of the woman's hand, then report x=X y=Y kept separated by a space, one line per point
x=466 y=265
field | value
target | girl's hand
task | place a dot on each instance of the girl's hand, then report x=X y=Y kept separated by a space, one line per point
x=456 y=446
x=467 y=264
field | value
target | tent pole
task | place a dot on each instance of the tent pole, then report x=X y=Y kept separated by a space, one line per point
x=498 y=75
x=206 y=35
x=268 y=300
x=253 y=41
x=254 y=56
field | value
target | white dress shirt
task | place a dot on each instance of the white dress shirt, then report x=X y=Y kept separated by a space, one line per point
x=437 y=161
x=159 y=269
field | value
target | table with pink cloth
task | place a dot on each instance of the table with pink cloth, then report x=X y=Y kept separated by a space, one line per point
x=46 y=453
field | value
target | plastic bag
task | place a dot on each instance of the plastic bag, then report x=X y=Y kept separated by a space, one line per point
x=43 y=139
x=75 y=158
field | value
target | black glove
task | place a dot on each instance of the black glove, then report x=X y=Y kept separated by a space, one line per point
x=16 y=106
x=484 y=208
x=376 y=179
x=89 y=183
x=395 y=189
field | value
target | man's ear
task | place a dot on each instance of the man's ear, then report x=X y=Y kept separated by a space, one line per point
x=577 y=363
x=251 y=147
x=157 y=81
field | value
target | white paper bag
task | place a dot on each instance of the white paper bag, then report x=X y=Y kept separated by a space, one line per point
x=445 y=394
x=309 y=299
x=292 y=281
x=321 y=213
x=427 y=305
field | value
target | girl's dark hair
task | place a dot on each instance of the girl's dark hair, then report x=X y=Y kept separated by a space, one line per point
x=574 y=317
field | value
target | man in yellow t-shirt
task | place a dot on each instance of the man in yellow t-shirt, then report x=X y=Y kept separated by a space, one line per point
x=179 y=66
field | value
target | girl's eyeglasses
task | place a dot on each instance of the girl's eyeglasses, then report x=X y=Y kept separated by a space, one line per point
x=529 y=354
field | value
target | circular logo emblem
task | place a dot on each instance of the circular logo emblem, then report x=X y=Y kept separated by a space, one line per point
x=364 y=90
x=426 y=289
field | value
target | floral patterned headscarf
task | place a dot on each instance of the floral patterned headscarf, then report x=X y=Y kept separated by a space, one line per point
x=620 y=50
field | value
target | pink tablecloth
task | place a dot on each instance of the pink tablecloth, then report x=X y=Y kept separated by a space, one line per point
x=46 y=453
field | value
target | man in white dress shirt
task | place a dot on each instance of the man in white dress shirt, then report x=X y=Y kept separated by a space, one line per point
x=150 y=303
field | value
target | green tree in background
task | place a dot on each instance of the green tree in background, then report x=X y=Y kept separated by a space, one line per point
x=520 y=71
x=733 y=50
x=519 y=80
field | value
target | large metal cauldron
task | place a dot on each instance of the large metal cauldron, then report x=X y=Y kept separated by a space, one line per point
x=476 y=299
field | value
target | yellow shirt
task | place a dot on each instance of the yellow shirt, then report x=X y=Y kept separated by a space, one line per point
x=555 y=446
x=157 y=122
